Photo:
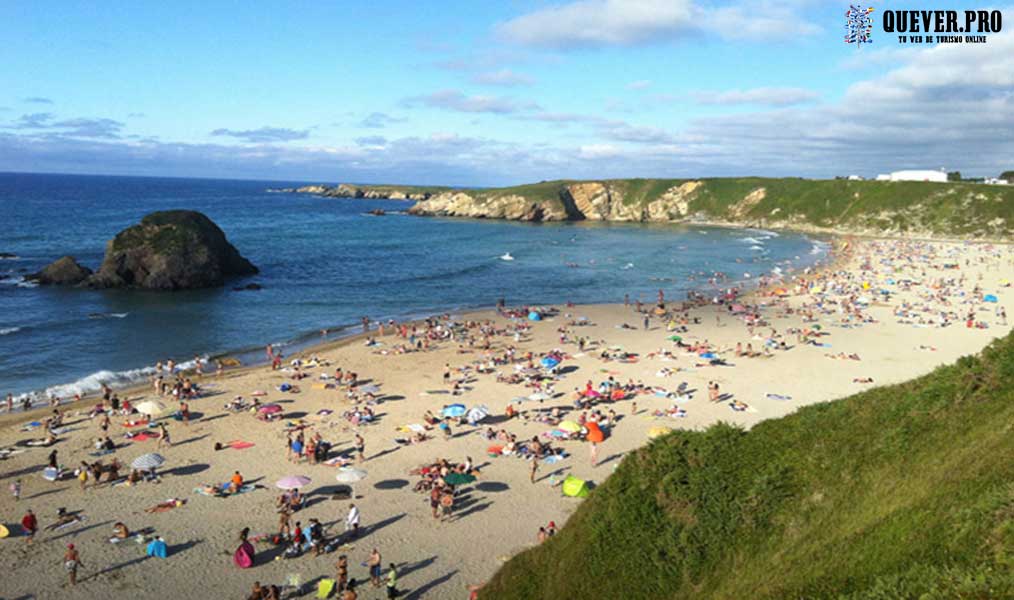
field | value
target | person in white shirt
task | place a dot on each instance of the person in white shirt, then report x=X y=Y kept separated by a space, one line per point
x=352 y=521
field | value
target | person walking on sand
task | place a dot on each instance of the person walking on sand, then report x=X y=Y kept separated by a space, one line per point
x=16 y=490
x=374 y=564
x=392 y=581
x=163 y=437
x=360 y=448
x=535 y=467
x=71 y=562
x=352 y=521
x=30 y=525
x=594 y=454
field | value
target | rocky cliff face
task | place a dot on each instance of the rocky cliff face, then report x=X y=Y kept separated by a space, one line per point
x=62 y=271
x=594 y=201
x=170 y=250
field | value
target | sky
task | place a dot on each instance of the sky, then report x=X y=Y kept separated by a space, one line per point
x=493 y=93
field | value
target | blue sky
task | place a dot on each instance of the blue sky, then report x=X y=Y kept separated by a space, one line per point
x=487 y=93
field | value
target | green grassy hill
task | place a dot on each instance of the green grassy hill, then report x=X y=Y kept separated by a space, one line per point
x=954 y=209
x=899 y=492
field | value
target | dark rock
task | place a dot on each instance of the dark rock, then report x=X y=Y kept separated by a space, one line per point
x=62 y=271
x=4 y=255
x=170 y=250
x=253 y=287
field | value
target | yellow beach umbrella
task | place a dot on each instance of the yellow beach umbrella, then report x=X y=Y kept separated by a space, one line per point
x=569 y=427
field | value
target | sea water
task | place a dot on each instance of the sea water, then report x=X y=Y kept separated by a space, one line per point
x=325 y=263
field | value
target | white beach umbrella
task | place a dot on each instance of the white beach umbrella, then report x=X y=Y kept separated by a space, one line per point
x=350 y=475
x=151 y=408
x=148 y=461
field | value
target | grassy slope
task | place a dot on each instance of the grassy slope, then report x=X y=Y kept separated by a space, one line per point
x=896 y=492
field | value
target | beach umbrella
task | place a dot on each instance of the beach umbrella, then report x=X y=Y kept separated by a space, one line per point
x=738 y=308
x=270 y=409
x=151 y=408
x=369 y=389
x=569 y=427
x=454 y=410
x=350 y=475
x=534 y=316
x=148 y=461
x=595 y=434
x=459 y=478
x=549 y=362
x=675 y=338
x=292 y=482
x=658 y=431
x=538 y=397
x=476 y=414
x=990 y=298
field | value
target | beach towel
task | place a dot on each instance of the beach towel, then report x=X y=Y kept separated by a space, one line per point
x=325 y=588
x=779 y=397
x=240 y=445
x=144 y=436
x=242 y=490
x=166 y=506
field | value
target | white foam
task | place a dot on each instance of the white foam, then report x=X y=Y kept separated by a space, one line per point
x=95 y=381
x=9 y=330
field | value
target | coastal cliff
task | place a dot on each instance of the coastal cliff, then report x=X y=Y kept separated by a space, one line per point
x=910 y=208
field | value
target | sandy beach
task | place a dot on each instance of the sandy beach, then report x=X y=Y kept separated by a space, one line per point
x=815 y=338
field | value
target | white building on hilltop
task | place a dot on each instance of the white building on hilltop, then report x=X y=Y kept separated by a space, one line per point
x=914 y=175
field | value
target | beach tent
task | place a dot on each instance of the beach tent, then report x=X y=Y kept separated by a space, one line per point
x=157 y=548
x=534 y=316
x=574 y=487
x=549 y=362
x=476 y=414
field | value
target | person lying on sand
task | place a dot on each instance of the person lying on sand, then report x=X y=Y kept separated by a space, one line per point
x=63 y=518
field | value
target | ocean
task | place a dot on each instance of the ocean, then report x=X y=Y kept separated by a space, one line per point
x=325 y=263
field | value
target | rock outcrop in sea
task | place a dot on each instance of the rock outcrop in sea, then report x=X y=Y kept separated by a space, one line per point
x=170 y=250
x=62 y=271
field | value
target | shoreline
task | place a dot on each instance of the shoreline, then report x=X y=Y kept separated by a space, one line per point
x=304 y=341
x=441 y=557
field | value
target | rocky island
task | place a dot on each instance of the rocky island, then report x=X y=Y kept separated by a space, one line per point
x=167 y=250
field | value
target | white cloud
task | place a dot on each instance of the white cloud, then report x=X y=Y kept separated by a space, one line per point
x=601 y=23
x=597 y=151
x=595 y=23
x=457 y=101
x=504 y=77
x=640 y=84
x=770 y=96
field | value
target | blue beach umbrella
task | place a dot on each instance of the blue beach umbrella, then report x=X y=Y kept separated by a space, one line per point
x=990 y=298
x=549 y=362
x=534 y=316
x=454 y=410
